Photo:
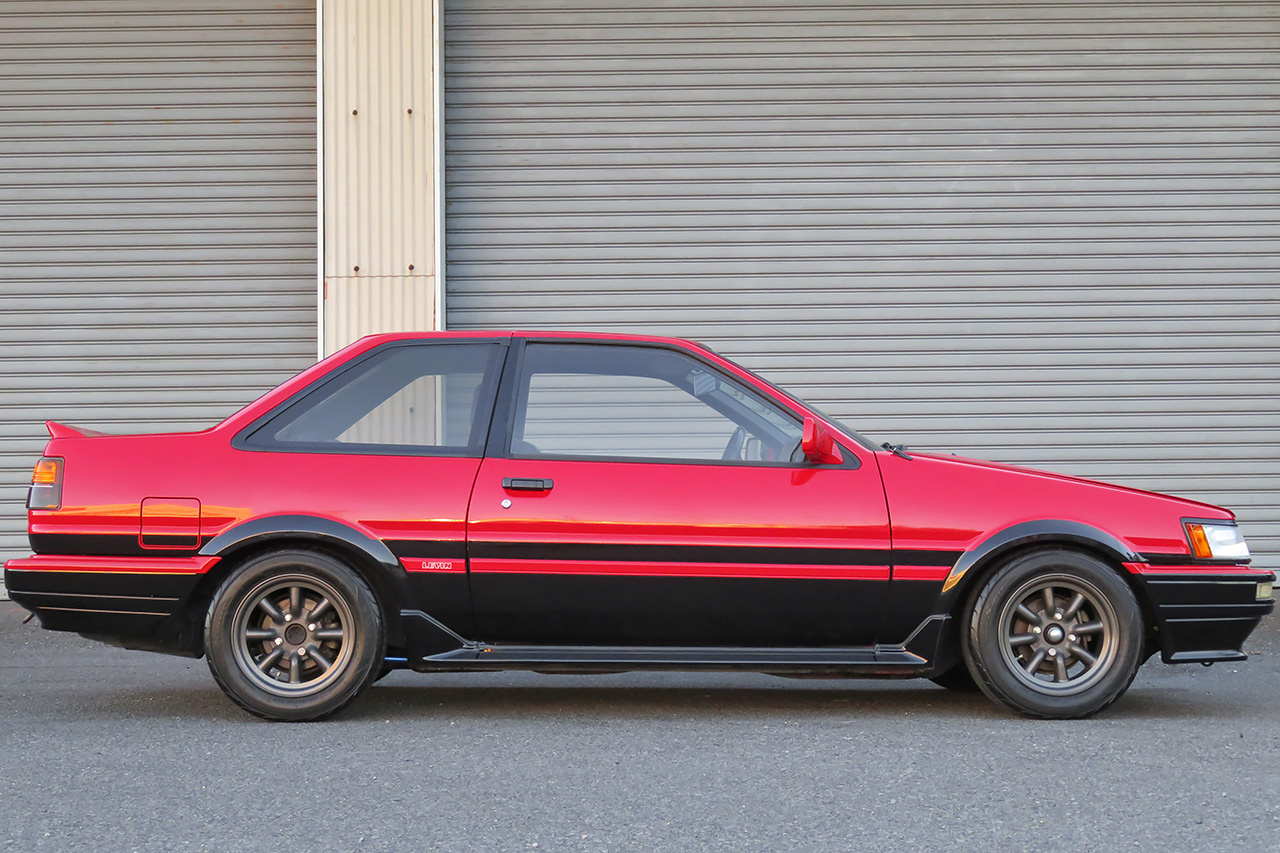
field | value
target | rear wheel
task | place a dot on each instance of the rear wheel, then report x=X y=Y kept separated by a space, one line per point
x=294 y=635
x=1054 y=634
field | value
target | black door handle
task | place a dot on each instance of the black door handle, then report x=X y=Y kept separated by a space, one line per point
x=527 y=484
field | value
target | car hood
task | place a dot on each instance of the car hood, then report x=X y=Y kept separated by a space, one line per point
x=953 y=504
x=1017 y=472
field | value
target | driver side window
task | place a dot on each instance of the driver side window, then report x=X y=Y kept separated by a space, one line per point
x=635 y=402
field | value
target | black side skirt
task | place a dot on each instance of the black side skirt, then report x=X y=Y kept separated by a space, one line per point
x=856 y=660
x=439 y=650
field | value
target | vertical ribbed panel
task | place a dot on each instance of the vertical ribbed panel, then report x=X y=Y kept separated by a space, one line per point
x=1038 y=232
x=355 y=307
x=378 y=186
x=157 y=217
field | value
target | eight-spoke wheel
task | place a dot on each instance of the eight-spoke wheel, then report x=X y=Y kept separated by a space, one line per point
x=1054 y=634
x=294 y=635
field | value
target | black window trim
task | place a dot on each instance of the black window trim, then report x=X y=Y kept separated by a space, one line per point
x=503 y=416
x=474 y=450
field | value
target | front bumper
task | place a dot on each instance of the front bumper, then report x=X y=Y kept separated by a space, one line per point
x=1205 y=614
x=137 y=602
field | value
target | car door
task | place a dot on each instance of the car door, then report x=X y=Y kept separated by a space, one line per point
x=640 y=494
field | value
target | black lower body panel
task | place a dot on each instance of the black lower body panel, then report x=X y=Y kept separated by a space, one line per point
x=137 y=611
x=618 y=610
x=1206 y=618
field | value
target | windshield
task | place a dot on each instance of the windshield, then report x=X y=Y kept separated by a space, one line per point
x=842 y=426
x=836 y=422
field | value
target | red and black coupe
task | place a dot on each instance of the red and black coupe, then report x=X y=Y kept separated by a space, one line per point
x=598 y=503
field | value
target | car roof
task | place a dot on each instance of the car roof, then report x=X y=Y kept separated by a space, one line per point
x=529 y=333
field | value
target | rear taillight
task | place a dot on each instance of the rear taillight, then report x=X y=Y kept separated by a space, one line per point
x=46 y=484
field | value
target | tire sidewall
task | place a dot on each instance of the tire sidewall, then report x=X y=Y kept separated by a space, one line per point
x=982 y=644
x=360 y=668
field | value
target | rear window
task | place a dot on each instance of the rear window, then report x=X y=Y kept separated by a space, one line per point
x=417 y=398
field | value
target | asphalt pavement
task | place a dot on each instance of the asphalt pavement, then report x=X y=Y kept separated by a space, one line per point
x=103 y=749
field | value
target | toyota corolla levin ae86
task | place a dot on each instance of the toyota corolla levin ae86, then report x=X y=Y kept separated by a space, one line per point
x=579 y=503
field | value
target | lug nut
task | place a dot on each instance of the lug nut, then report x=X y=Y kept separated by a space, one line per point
x=279 y=641
x=302 y=653
x=1053 y=652
x=312 y=627
x=1035 y=630
x=288 y=616
x=1057 y=616
x=1071 y=637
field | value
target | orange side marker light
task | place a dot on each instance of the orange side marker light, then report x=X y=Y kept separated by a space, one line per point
x=1199 y=541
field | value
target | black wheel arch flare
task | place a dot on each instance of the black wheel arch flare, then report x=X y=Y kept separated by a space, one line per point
x=975 y=564
x=369 y=557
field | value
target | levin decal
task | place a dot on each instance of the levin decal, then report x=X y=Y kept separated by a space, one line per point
x=418 y=564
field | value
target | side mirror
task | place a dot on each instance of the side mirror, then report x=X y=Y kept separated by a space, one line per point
x=817 y=445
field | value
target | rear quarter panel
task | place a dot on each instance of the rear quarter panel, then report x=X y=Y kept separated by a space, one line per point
x=415 y=504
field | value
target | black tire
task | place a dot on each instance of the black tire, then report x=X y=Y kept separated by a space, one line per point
x=294 y=636
x=1054 y=634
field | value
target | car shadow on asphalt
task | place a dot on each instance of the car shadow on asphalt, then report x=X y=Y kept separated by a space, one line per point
x=649 y=702
x=421 y=702
x=918 y=700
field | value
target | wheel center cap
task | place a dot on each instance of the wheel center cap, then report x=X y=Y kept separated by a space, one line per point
x=1053 y=633
x=296 y=635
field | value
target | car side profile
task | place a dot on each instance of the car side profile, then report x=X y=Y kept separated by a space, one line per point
x=578 y=503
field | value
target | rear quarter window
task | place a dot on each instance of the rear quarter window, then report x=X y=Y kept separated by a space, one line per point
x=416 y=398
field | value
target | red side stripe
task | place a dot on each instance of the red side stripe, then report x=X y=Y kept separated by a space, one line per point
x=114 y=565
x=921 y=573
x=1145 y=569
x=690 y=570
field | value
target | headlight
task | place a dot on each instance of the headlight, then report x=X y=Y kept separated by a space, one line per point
x=1216 y=541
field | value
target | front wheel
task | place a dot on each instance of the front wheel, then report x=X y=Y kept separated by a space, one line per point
x=294 y=635
x=1054 y=634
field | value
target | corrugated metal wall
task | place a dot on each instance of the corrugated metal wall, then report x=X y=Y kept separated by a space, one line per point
x=157 y=217
x=1039 y=232
x=379 y=129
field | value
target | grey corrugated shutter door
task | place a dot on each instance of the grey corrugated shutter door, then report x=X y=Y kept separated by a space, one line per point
x=157 y=217
x=1041 y=233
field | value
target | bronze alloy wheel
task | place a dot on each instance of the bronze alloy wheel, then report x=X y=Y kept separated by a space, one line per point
x=1058 y=634
x=1054 y=633
x=294 y=635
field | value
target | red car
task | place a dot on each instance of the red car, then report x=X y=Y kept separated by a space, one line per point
x=570 y=503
